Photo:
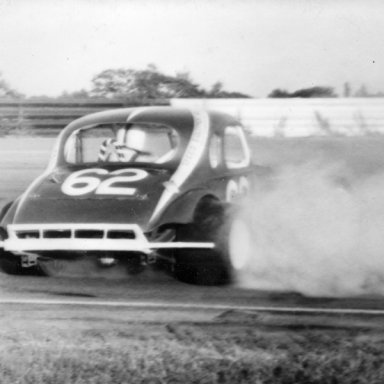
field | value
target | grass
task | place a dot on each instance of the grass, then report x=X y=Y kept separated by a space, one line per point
x=70 y=348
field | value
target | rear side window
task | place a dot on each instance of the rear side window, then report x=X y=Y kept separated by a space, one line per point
x=236 y=151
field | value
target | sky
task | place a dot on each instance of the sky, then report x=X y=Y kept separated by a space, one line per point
x=252 y=46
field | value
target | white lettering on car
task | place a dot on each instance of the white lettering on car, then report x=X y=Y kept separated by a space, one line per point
x=87 y=181
x=232 y=191
x=237 y=189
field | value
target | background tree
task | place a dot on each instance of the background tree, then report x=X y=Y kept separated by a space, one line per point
x=217 y=91
x=150 y=83
x=315 y=92
x=305 y=92
x=7 y=91
x=347 y=90
x=81 y=94
x=279 y=93
x=364 y=92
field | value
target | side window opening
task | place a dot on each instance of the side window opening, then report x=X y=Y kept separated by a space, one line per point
x=236 y=150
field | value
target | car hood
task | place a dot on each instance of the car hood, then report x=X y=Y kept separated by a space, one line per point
x=127 y=195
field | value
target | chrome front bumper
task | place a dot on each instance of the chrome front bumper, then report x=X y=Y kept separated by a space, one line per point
x=24 y=238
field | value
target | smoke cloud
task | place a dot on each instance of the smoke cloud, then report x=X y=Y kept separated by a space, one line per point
x=315 y=229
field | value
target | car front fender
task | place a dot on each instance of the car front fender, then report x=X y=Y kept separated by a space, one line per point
x=182 y=209
x=8 y=212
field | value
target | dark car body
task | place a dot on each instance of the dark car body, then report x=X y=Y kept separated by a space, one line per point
x=82 y=203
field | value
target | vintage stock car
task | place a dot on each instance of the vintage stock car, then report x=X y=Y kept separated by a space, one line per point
x=134 y=187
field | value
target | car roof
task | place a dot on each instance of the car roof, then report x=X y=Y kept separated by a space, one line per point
x=179 y=118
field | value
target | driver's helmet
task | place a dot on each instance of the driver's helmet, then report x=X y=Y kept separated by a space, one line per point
x=135 y=138
x=129 y=142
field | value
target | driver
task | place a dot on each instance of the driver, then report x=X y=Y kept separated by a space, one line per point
x=134 y=143
x=127 y=145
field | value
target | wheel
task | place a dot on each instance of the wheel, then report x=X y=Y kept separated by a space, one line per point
x=205 y=266
x=201 y=268
x=239 y=244
x=134 y=265
x=5 y=209
x=218 y=223
x=10 y=264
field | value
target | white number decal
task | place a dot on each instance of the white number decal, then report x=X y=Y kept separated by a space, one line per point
x=107 y=188
x=232 y=190
x=236 y=190
x=77 y=184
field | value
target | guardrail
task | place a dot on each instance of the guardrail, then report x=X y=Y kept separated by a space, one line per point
x=300 y=117
x=262 y=117
x=50 y=116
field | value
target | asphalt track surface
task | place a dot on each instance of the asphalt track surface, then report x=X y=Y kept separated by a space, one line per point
x=22 y=159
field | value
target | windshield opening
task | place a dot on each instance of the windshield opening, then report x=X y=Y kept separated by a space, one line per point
x=122 y=143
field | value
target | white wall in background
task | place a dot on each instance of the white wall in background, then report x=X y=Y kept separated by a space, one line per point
x=300 y=117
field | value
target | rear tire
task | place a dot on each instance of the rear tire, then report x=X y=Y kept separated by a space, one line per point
x=204 y=266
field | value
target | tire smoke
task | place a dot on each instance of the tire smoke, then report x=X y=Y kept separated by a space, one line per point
x=315 y=229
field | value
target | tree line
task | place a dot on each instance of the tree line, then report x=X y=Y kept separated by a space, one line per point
x=152 y=84
x=320 y=91
x=133 y=84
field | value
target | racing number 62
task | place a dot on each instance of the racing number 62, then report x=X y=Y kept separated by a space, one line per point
x=80 y=183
